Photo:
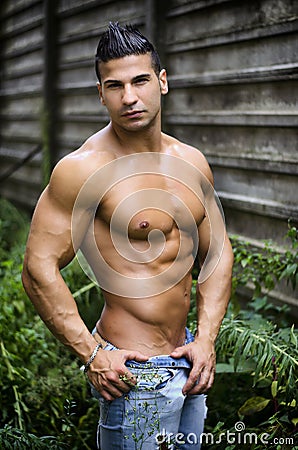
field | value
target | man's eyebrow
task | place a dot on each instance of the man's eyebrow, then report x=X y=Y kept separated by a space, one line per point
x=112 y=81
x=143 y=75
x=136 y=78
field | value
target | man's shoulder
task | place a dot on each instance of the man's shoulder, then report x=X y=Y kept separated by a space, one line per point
x=189 y=154
x=74 y=169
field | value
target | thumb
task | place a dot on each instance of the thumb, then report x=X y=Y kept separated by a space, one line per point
x=178 y=352
x=137 y=356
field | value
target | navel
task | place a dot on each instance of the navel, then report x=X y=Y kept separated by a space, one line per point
x=143 y=225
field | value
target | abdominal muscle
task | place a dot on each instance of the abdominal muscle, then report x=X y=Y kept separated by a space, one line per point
x=155 y=324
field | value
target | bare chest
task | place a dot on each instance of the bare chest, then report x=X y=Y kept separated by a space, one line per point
x=143 y=203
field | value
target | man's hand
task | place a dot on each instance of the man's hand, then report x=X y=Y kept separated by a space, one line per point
x=109 y=375
x=201 y=354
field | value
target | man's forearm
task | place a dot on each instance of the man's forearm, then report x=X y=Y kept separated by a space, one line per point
x=57 y=308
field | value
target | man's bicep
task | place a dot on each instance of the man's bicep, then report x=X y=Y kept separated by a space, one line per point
x=49 y=239
x=61 y=218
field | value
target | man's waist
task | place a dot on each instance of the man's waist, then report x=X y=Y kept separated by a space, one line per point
x=165 y=361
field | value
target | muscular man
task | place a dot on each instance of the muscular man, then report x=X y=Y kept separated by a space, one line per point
x=140 y=206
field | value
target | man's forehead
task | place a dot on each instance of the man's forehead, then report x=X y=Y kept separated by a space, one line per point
x=127 y=67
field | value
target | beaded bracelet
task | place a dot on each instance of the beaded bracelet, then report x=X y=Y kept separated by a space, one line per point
x=91 y=359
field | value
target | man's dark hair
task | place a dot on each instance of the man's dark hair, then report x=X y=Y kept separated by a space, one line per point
x=117 y=42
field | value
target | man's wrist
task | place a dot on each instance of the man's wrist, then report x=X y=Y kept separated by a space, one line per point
x=205 y=336
x=92 y=357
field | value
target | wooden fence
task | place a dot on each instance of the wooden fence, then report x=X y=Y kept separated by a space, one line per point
x=233 y=70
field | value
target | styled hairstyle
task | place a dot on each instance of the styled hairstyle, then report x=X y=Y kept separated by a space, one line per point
x=117 y=42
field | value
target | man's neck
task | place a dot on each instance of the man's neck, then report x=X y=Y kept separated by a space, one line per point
x=145 y=140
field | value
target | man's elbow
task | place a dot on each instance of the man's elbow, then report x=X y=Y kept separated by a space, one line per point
x=35 y=276
x=29 y=277
x=25 y=277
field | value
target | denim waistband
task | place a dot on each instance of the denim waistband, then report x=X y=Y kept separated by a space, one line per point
x=164 y=361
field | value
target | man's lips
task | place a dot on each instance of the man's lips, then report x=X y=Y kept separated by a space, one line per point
x=132 y=114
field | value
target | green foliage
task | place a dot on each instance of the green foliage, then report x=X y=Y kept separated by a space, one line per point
x=144 y=415
x=45 y=400
x=13 y=227
x=264 y=347
x=15 y=439
x=87 y=294
x=270 y=357
x=257 y=354
x=265 y=266
x=43 y=392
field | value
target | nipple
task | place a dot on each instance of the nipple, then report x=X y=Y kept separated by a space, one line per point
x=144 y=225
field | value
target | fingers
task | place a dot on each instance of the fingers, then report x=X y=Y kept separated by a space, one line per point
x=204 y=383
x=110 y=393
x=199 y=381
x=120 y=380
x=109 y=375
x=128 y=379
x=112 y=384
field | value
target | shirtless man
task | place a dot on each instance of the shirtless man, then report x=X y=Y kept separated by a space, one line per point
x=140 y=206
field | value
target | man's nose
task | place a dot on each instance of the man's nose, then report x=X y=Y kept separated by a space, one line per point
x=129 y=96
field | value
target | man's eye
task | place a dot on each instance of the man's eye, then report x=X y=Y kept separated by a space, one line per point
x=141 y=81
x=113 y=86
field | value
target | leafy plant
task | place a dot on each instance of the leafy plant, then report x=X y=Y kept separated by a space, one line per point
x=38 y=376
x=45 y=400
x=13 y=438
x=143 y=414
x=264 y=266
x=14 y=225
x=258 y=354
x=264 y=347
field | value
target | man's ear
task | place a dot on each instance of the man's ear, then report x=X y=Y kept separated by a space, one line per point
x=163 y=82
x=99 y=88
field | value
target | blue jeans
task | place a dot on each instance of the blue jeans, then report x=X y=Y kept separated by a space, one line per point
x=155 y=411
